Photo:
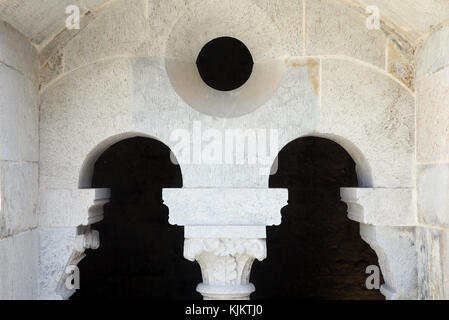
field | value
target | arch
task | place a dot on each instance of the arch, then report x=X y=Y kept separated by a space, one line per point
x=140 y=255
x=313 y=169
x=87 y=168
x=362 y=166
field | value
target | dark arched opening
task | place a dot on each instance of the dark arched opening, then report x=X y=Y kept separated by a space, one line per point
x=140 y=254
x=317 y=252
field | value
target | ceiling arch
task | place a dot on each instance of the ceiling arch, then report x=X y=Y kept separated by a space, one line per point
x=43 y=20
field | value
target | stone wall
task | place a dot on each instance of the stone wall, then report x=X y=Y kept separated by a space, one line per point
x=19 y=156
x=433 y=165
x=130 y=72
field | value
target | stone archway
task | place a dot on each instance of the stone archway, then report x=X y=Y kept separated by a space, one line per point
x=138 y=253
x=316 y=253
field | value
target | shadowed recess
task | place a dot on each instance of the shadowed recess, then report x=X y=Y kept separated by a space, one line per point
x=317 y=252
x=140 y=254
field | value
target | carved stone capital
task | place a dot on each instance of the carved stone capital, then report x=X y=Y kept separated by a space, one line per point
x=225 y=265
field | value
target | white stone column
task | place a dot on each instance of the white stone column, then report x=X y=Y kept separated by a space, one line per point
x=225 y=265
x=225 y=255
x=225 y=231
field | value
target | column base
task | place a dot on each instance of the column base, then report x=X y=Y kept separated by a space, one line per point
x=216 y=292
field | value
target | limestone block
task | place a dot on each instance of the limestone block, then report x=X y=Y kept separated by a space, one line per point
x=39 y=20
x=77 y=113
x=433 y=194
x=433 y=54
x=163 y=15
x=396 y=250
x=381 y=207
x=433 y=263
x=433 y=117
x=120 y=29
x=93 y=4
x=55 y=47
x=412 y=18
x=225 y=232
x=225 y=206
x=333 y=28
x=52 y=69
x=283 y=19
x=18 y=117
x=400 y=61
x=56 y=247
x=67 y=208
x=19 y=256
x=19 y=197
x=207 y=20
x=375 y=114
x=17 y=52
x=287 y=15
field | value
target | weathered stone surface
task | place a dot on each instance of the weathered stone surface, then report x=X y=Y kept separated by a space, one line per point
x=397 y=254
x=206 y=20
x=56 y=247
x=333 y=28
x=94 y=4
x=433 y=54
x=79 y=112
x=287 y=16
x=411 y=18
x=65 y=208
x=225 y=232
x=433 y=263
x=37 y=20
x=18 y=117
x=433 y=118
x=52 y=69
x=400 y=62
x=19 y=256
x=433 y=194
x=119 y=30
x=55 y=46
x=225 y=206
x=19 y=197
x=381 y=207
x=279 y=21
x=292 y=112
x=17 y=52
x=376 y=115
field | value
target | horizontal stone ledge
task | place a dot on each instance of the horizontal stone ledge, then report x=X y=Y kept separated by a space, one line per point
x=225 y=232
x=225 y=206
x=381 y=206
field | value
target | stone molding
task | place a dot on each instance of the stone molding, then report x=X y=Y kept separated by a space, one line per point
x=86 y=238
x=381 y=206
x=225 y=206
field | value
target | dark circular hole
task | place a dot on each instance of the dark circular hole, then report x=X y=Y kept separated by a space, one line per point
x=225 y=63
